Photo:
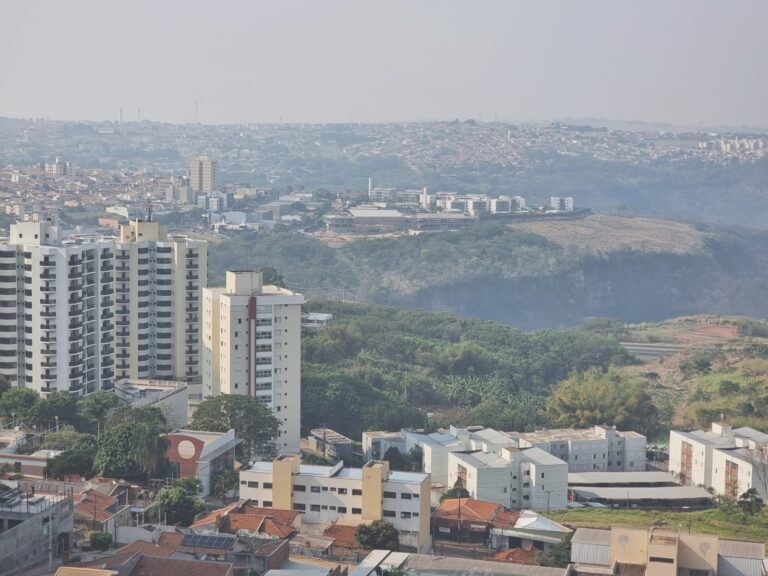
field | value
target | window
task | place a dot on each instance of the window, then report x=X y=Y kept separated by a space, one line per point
x=299 y=488
x=342 y=510
x=252 y=484
x=300 y=507
x=526 y=484
x=333 y=508
x=314 y=507
x=325 y=488
x=315 y=489
x=357 y=492
x=356 y=511
x=527 y=473
x=526 y=497
x=405 y=495
x=661 y=560
x=268 y=485
x=390 y=514
x=267 y=503
x=390 y=494
x=243 y=483
x=333 y=488
x=324 y=507
x=405 y=515
x=415 y=514
x=542 y=474
x=342 y=490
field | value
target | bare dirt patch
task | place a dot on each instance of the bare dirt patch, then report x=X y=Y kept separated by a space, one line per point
x=606 y=233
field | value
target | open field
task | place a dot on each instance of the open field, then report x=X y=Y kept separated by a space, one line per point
x=753 y=528
x=606 y=233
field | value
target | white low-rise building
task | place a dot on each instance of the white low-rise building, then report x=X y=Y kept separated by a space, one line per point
x=528 y=478
x=725 y=459
x=351 y=496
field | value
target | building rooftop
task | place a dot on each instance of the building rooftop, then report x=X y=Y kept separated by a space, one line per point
x=372 y=213
x=644 y=493
x=593 y=478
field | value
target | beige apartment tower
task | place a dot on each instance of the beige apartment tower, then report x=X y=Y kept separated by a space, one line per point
x=252 y=345
x=202 y=175
x=158 y=283
x=78 y=314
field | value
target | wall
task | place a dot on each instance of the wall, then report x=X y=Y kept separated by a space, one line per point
x=27 y=543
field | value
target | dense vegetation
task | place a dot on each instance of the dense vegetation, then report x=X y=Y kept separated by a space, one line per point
x=497 y=272
x=379 y=367
x=739 y=393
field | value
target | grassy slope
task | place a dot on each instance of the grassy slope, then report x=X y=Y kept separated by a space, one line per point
x=713 y=521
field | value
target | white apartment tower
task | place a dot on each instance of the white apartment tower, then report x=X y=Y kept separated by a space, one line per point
x=72 y=311
x=202 y=175
x=158 y=282
x=252 y=345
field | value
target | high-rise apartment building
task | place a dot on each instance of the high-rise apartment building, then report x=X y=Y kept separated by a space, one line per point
x=202 y=175
x=77 y=314
x=252 y=345
x=158 y=282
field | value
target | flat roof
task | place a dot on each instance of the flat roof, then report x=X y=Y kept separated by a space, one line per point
x=441 y=565
x=370 y=213
x=652 y=477
x=645 y=493
x=592 y=536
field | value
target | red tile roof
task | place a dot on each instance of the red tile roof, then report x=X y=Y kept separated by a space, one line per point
x=154 y=566
x=147 y=548
x=284 y=516
x=244 y=516
x=478 y=510
x=172 y=539
x=342 y=535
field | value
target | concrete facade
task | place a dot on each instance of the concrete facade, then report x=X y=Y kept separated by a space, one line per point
x=352 y=496
x=252 y=346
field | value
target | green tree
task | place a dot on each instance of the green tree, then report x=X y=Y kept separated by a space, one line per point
x=101 y=540
x=557 y=555
x=379 y=534
x=19 y=403
x=191 y=485
x=595 y=397
x=149 y=448
x=750 y=502
x=96 y=406
x=272 y=276
x=76 y=461
x=177 y=506
x=61 y=404
x=67 y=437
x=223 y=481
x=457 y=491
x=132 y=446
x=252 y=421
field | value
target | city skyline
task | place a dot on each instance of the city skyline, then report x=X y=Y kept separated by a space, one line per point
x=690 y=63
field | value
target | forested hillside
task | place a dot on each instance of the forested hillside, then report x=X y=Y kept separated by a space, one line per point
x=379 y=367
x=511 y=274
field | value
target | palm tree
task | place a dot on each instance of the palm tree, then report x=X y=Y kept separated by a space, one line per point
x=149 y=448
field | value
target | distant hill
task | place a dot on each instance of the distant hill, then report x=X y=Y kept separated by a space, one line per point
x=531 y=275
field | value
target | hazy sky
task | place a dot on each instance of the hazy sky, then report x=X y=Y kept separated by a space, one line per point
x=679 y=61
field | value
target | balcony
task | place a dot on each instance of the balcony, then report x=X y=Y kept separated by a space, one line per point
x=75 y=324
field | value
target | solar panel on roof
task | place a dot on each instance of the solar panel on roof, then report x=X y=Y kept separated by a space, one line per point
x=206 y=541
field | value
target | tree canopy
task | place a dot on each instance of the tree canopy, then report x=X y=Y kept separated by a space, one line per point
x=252 y=421
x=177 y=506
x=596 y=397
x=379 y=534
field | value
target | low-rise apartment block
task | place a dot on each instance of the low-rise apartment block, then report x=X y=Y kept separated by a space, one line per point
x=517 y=478
x=351 y=496
x=598 y=449
x=722 y=458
